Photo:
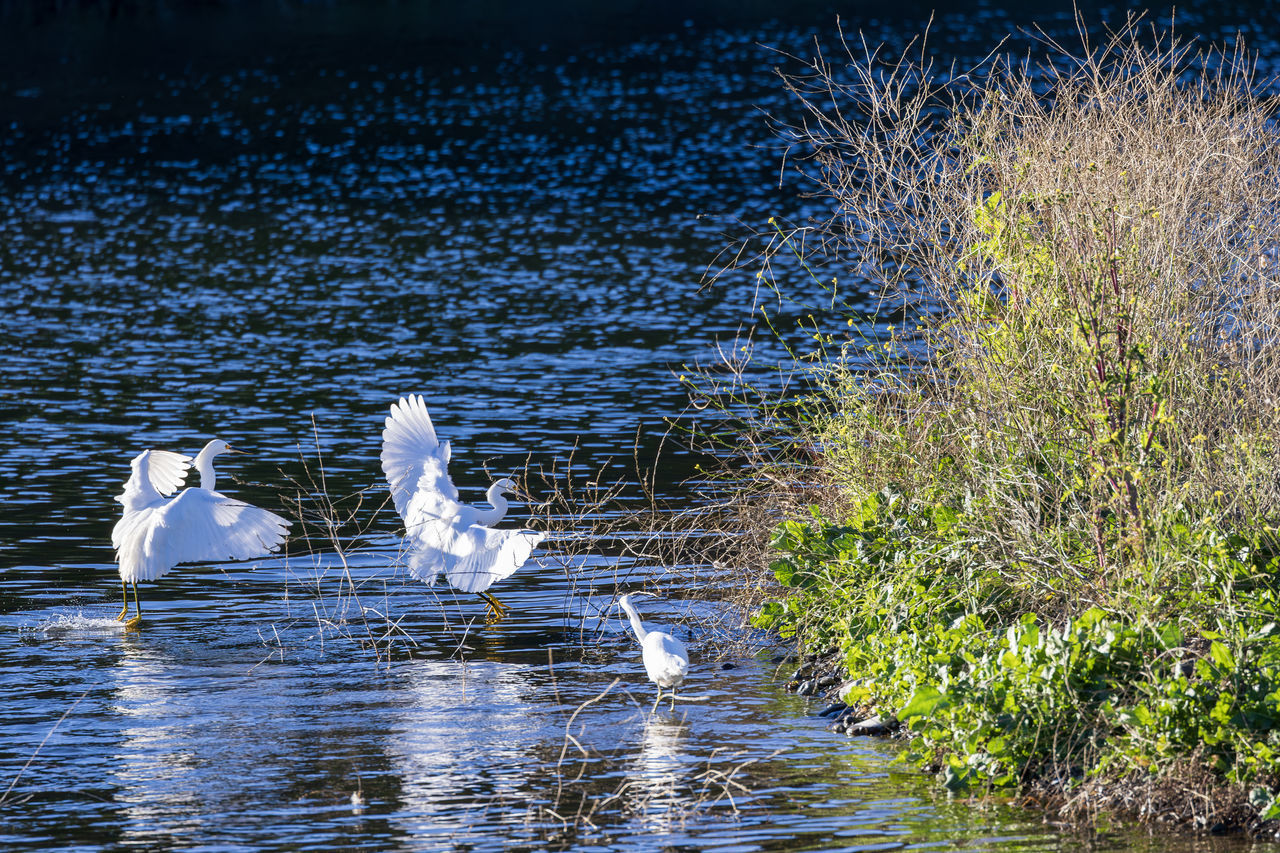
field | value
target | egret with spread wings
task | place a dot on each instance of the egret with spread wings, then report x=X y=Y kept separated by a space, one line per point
x=198 y=525
x=444 y=534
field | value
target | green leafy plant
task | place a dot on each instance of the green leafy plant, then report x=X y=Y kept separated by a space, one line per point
x=1044 y=537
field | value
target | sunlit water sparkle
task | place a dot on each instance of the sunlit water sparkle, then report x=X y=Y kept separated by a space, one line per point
x=235 y=247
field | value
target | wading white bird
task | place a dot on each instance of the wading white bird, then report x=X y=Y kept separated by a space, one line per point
x=444 y=534
x=666 y=660
x=199 y=525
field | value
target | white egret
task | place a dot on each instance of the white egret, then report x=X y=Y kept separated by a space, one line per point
x=666 y=660
x=199 y=525
x=444 y=534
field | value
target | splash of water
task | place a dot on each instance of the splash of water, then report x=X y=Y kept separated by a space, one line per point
x=77 y=624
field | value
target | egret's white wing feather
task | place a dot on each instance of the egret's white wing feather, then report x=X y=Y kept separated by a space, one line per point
x=472 y=557
x=195 y=527
x=128 y=538
x=416 y=465
x=155 y=474
x=168 y=470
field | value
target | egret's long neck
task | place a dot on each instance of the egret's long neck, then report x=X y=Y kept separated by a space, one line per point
x=490 y=517
x=636 y=624
x=204 y=464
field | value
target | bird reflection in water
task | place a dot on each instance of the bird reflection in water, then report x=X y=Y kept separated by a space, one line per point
x=657 y=787
x=451 y=714
x=158 y=770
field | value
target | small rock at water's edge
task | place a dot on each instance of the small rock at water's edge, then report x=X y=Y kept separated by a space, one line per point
x=876 y=725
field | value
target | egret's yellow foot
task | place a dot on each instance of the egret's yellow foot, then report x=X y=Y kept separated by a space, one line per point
x=124 y=611
x=655 y=702
x=136 y=622
x=497 y=610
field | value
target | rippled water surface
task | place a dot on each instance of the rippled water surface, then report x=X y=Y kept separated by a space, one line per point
x=270 y=246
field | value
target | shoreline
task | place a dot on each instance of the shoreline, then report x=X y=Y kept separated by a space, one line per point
x=1194 y=801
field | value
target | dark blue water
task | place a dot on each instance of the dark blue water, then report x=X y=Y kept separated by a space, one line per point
x=270 y=245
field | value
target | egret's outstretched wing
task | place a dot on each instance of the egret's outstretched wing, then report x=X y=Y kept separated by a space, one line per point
x=167 y=470
x=416 y=465
x=197 y=526
x=472 y=558
x=156 y=473
x=128 y=537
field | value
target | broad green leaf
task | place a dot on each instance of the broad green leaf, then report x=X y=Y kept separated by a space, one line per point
x=1170 y=636
x=1222 y=655
x=924 y=702
x=784 y=570
x=945 y=518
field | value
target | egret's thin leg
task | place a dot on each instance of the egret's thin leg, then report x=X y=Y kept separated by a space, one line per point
x=673 y=701
x=137 y=620
x=655 y=702
x=497 y=610
x=124 y=610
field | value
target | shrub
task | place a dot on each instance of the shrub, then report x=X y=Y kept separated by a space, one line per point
x=1087 y=250
x=1048 y=536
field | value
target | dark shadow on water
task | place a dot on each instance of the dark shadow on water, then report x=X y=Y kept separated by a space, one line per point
x=178 y=34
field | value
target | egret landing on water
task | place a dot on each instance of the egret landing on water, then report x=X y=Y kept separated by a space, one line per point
x=444 y=534
x=199 y=525
x=665 y=658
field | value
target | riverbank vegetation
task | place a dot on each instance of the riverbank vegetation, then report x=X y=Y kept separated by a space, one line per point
x=1042 y=482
